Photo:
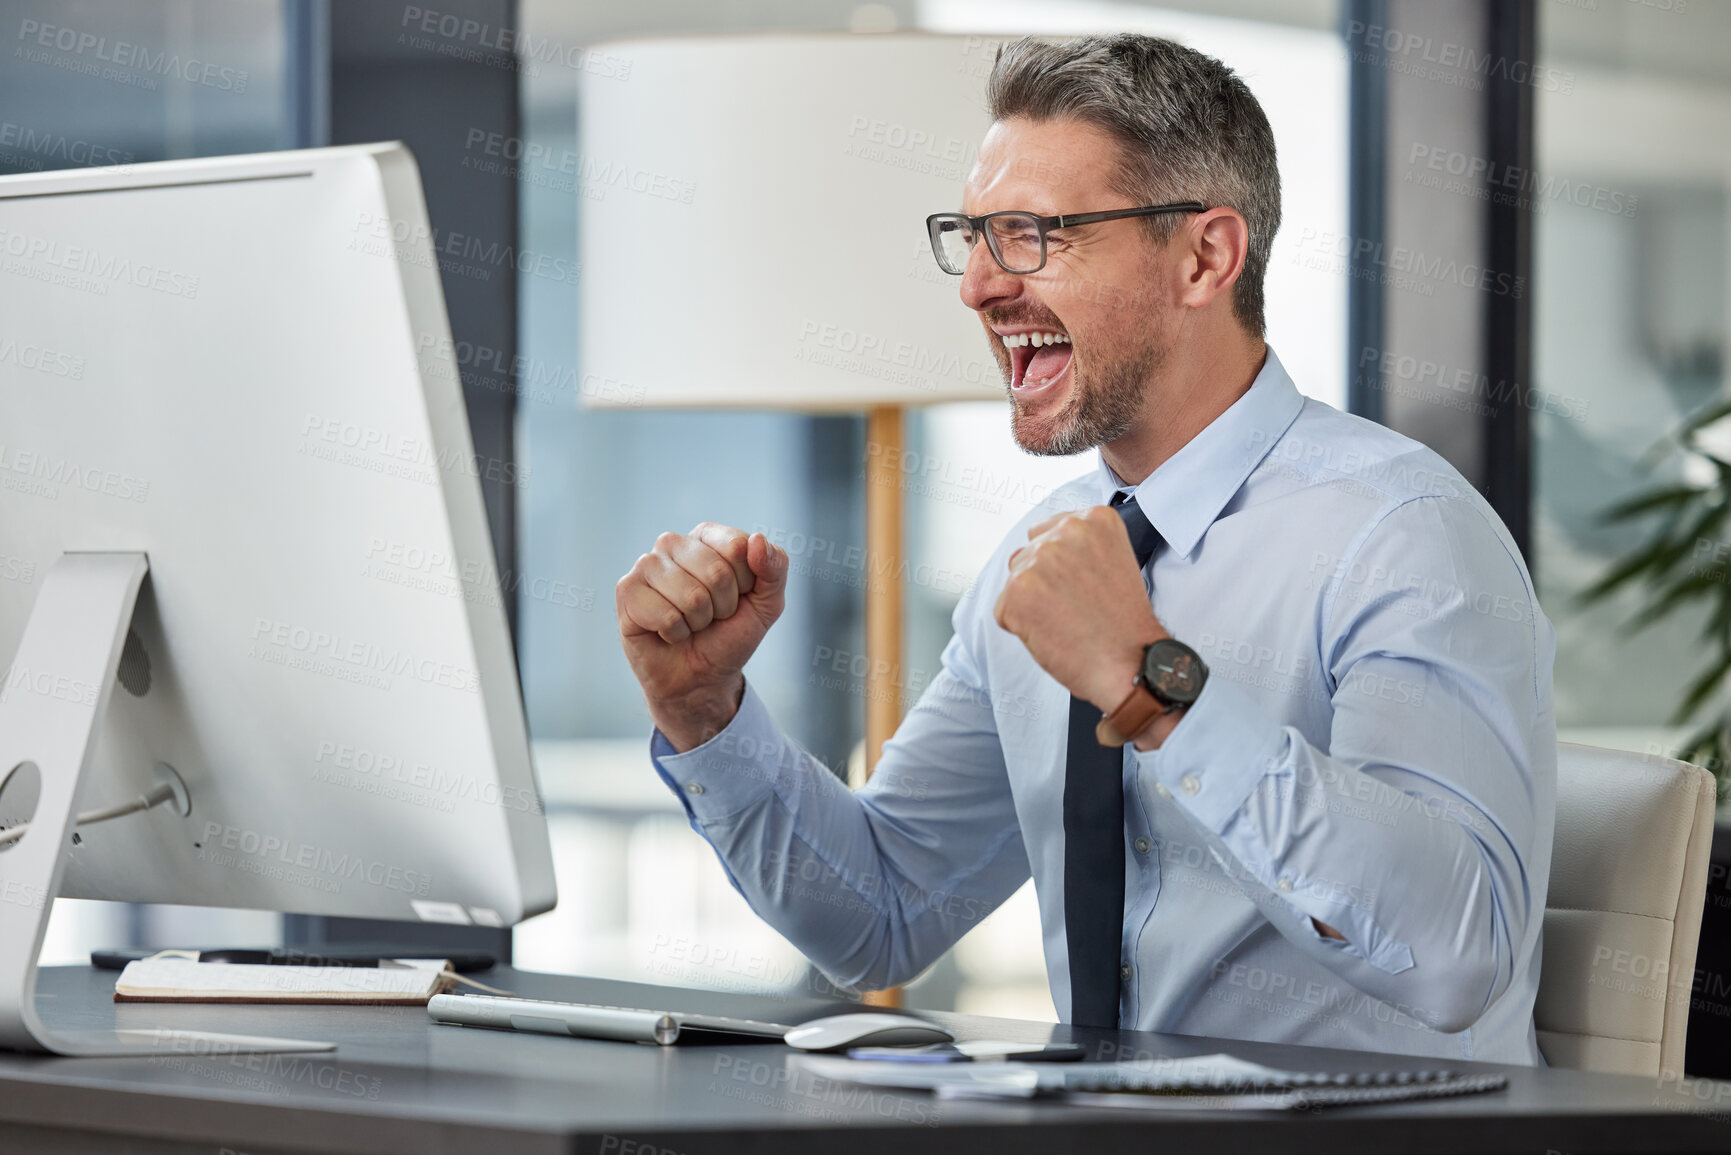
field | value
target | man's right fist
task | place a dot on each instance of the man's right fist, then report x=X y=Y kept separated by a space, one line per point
x=691 y=613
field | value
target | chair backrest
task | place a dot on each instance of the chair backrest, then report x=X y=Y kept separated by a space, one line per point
x=1628 y=880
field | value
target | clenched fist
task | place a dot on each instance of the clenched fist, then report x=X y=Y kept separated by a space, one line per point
x=1076 y=599
x=691 y=613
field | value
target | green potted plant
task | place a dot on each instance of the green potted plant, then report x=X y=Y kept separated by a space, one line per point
x=1684 y=562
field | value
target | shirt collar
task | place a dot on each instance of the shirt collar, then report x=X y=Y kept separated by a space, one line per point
x=1184 y=496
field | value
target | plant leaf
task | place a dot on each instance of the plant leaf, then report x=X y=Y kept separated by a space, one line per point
x=1650 y=500
x=1703 y=686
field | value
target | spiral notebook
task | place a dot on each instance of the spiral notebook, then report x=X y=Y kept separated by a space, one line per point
x=1205 y=1082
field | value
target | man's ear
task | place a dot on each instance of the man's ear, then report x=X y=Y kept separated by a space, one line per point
x=1219 y=242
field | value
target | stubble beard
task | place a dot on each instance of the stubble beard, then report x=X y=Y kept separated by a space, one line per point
x=1102 y=407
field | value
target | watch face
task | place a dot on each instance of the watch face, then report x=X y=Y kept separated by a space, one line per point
x=1174 y=672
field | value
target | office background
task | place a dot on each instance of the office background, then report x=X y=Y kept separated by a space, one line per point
x=1506 y=235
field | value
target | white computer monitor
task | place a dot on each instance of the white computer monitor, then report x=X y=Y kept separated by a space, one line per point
x=241 y=517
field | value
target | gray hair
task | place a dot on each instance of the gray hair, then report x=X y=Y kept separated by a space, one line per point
x=1190 y=130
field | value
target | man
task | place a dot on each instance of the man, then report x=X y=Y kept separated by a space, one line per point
x=1331 y=822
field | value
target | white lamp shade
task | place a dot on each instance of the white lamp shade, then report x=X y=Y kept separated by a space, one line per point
x=752 y=223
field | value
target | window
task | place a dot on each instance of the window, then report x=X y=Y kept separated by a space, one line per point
x=1630 y=309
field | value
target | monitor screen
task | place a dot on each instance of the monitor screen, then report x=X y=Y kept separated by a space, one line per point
x=233 y=366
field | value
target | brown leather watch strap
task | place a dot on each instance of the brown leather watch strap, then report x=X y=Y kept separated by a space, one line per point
x=1131 y=716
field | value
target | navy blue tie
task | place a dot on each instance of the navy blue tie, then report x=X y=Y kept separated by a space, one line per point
x=1094 y=837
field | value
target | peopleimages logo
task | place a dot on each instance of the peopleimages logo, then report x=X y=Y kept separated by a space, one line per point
x=526 y=46
x=281 y=642
x=891 y=358
x=911 y=148
x=38 y=147
x=389 y=452
x=1448 y=62
x=1461 y=388
x=40 y=359
x=100 y=50
x=102 y=268
x=461 y=253
x=1398 y=266
x=1511 y=184
x=276 y=850
x=530 y=160
x=43 y=475
x=49 y=684
x=356 y=766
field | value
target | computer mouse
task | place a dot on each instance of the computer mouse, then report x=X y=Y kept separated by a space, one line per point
x=867 y=1029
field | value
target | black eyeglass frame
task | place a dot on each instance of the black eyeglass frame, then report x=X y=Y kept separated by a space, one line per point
x=1042 y=225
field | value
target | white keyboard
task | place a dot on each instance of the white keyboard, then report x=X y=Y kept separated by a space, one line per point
x=588 y=1021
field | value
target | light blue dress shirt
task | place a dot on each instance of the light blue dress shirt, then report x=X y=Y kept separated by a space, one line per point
x=1375 y=749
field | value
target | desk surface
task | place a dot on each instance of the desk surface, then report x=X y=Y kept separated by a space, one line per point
x=398 y=1083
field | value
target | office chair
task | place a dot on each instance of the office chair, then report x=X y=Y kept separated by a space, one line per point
x=1628 y=881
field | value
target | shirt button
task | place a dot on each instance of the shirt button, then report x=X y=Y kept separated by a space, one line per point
x=694 y=788
x=1160 y=789
x=1124 y=972
x=1188 y=784
x=1284 y=886
x=1143 y=845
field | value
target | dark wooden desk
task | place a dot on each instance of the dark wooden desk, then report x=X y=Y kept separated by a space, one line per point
x=400 y=1084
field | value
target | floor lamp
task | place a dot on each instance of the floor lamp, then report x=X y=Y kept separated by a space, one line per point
x=752 y=235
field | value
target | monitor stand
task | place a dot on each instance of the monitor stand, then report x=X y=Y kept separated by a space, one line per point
x=57 y=688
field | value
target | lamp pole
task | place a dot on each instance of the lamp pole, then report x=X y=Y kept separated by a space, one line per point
x=885 y=430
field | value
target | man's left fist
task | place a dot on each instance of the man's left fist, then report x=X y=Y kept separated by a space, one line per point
x=1076 y=599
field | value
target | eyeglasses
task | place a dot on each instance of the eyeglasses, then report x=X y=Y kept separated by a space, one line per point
x=1018 y=240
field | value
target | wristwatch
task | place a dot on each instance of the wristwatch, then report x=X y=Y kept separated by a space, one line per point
x=1171 y=678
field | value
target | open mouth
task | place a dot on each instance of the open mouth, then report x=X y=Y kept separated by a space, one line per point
x=1037 y=359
